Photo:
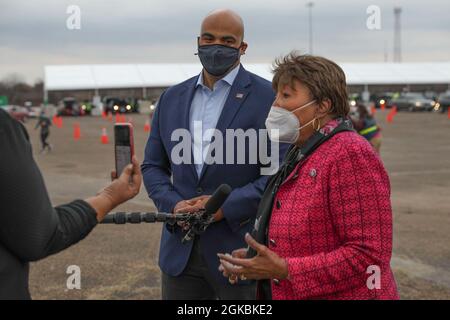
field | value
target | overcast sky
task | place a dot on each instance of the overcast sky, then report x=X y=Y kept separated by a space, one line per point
x=34 y=33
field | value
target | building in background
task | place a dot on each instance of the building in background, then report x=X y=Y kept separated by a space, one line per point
x=147 y=81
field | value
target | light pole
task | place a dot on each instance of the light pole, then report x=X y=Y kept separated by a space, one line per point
x=397 y=35
x=310 y=6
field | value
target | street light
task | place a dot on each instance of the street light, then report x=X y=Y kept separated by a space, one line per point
x=310 y=5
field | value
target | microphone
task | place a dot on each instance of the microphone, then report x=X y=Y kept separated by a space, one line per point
x=217 y=199
x=205 y=217
x=139 y=217
x=197 y=221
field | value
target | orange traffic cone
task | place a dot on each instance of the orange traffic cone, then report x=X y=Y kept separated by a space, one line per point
x=394 y=110
x=383 y=106
x=147 y=126
x=389 y=118
x=76 y=131
x=110 y=117
x=104 y=139
x=59 y=122
x=104 y=116
x=54 y=120
x=391 y=114
x=373 y=110
x=117 y=117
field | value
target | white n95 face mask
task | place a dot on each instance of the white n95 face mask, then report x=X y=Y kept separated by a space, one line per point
x=283 y=126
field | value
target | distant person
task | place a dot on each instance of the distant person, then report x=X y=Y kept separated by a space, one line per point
x=30 y=228
x=44 y=124
x=366 y=125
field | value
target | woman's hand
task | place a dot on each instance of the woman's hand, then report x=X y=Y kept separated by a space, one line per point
x=127 y=186
x=239 y=253
x=265 y=265
x=124 y=188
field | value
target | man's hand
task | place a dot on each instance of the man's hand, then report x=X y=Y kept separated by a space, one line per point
x=196 y=204
x=184 y=206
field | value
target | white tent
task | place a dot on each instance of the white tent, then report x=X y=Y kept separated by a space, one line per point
x=159 y=75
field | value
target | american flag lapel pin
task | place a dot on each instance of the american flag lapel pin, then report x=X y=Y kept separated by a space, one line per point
x=239 y=95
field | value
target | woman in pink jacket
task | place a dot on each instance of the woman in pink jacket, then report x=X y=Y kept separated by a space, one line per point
x=324 y=224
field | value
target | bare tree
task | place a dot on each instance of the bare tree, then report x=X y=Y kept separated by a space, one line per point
x=12 y=79
x=15 y=88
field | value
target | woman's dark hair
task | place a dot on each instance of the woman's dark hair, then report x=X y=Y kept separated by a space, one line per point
x=324 y=79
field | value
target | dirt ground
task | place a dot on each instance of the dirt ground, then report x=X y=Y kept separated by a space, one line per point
x=120 y=262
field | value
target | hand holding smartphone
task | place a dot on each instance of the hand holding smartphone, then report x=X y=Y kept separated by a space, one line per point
x=123 y=145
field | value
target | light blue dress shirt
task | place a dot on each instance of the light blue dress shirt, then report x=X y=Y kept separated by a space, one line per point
x=205 y=111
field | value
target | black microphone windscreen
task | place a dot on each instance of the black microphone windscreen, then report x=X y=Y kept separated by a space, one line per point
x=217 y=199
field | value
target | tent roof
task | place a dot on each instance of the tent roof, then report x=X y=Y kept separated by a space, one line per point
x=110 y=76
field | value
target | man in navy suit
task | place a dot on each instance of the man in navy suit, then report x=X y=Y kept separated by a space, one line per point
x=223 y=97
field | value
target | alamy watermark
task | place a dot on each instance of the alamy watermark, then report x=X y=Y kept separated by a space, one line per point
x=374 y=280
x=74 y=278
x=373 y=21
x=73 y=21
x=228 y=149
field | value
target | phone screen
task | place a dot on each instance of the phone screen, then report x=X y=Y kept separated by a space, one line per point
x=123 y=146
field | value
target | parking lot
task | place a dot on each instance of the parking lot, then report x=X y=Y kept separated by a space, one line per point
x=120 y=262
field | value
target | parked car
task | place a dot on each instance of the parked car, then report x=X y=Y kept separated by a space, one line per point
x=86 y=107
x=443 y=103
x=17 y=112
x=34 y=112
x=381 y=98
x=433 y=95
x=354 y=99
x=69 y=107
x=412 y=101
x=114 y=105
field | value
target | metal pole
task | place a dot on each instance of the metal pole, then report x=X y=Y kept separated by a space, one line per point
x=144 y=93
x=385 y=51
x=310 y=5
x=366 y=95
x=397 y=35
x=45 y=102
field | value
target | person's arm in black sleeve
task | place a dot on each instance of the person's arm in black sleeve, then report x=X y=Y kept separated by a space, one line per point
x=29 y=226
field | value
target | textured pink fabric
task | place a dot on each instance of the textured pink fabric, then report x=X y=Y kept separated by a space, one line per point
x=331 y=220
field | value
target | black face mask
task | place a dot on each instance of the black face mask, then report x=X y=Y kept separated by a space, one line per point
x=217 y=59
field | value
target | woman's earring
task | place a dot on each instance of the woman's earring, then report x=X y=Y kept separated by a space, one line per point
x=317 y=128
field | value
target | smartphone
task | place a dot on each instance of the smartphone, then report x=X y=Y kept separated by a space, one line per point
x=123 y=145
